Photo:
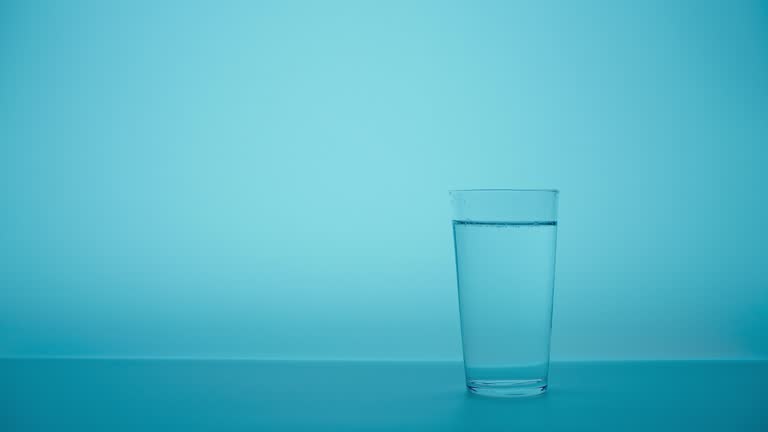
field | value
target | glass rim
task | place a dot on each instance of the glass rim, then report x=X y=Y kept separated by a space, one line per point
x=556 y=191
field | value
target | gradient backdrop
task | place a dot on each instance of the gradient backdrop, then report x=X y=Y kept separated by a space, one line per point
x=269 y=178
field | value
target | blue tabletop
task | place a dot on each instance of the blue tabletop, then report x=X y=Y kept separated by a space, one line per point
x=223 y=395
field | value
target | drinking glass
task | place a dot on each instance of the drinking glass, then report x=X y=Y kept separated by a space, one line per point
x=504 y=240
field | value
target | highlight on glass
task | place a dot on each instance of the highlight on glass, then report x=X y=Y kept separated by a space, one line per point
x=505 y=241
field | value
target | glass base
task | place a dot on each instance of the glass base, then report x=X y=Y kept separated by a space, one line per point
x=508 y=388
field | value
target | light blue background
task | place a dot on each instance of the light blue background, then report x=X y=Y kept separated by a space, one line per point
x=269 y=179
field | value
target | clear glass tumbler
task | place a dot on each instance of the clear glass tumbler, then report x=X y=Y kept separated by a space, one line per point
x=504 y=241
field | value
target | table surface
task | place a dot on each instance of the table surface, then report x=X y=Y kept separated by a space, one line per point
x=223 y=395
